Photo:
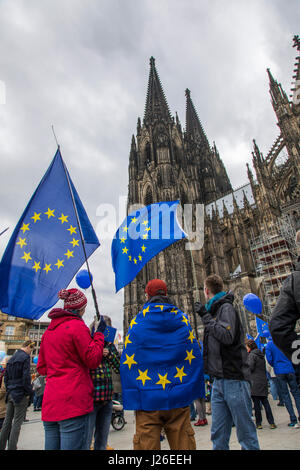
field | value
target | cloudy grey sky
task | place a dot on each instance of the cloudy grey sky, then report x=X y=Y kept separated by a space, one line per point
x=83 y=65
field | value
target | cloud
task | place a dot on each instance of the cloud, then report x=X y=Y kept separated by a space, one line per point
x=83 y=67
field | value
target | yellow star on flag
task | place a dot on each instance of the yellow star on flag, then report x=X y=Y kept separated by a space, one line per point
x=36 y=266
x=174 y=311
x=60 y=263
x=191 y=336
x=130 y=257
x=22 y=242
x=72 y=229
x=133 y=322
x=146 y=310
x=145 y=236
x=180 y=373
x=140 y=258
x=47 y=268
x=36 y=217
x=147 y=229
x=26 y=256
x=74 y=242
x=25 y=227
x=135 y=260
x=127 y=340
x=125 y=228
x=124 y=250
x=163 y=380
x=69 y=254
x=122 y=240
x=145 y=222
x=143 y=376
x=143 y=248
x=50 y=213
x=133 y=220
x=185 y=320
x=63 y=218
x=160 y=306
x=129 y=360
x=189 y=356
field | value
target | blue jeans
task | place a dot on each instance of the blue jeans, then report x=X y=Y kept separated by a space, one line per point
x=37 y=401
x=273 y=388
x=193 y=411
x=99 y=423
x=286 y=382
x=69 y=434
x=231 y=404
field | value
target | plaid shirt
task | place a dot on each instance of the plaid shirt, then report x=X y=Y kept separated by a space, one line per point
x=103 y=386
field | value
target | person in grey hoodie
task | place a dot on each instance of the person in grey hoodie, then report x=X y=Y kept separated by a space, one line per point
x=259 y=384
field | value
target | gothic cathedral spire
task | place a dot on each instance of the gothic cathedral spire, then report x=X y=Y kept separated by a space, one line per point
x=156 y=103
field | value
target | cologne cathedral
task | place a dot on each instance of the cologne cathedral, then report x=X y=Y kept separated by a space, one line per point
x=248 y=231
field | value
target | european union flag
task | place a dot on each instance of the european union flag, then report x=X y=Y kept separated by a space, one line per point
x=262 y=328
x=45 y=249
x=109 y=334
x=161 y=364
x=142 y=235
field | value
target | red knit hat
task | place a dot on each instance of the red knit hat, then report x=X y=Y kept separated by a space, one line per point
x=74 y=299
x=155 y=287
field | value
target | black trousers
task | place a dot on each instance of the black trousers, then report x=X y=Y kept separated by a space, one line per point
x=258 y=401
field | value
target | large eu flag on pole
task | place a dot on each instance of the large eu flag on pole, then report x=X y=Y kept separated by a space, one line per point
x=142 y=235
x=161 y=365
x=45 y=250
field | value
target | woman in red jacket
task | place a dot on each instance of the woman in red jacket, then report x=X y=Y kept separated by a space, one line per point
x=67 y=353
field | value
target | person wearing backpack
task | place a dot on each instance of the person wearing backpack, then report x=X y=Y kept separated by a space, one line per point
x=225 y=359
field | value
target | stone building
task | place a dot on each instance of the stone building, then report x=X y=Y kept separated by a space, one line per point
x=15 y=332
x=168 y=163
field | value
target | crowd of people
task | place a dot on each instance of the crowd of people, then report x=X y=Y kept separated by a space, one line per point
x=73 y=385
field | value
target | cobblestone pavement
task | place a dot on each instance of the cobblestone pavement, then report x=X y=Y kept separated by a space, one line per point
x=281 y=438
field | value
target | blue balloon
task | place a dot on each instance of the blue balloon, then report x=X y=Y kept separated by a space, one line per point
x=35 y=359
x=252 y=303
x=2 y=355
x=83 y=279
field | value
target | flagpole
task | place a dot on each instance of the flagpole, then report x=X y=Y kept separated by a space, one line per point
x=80 y=231
x=197 y=291
x=82 y=242
x=4 y=231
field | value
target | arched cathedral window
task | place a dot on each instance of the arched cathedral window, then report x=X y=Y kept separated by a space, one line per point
x=148 y=153
x=148 y=197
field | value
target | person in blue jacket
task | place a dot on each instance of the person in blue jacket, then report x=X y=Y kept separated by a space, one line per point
x=286 y=376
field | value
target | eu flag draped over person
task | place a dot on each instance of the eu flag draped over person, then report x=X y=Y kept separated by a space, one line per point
x=161 y=365
x=45 y=250
x=142 y=235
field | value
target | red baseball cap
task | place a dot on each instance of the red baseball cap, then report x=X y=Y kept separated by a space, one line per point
x=156 y=287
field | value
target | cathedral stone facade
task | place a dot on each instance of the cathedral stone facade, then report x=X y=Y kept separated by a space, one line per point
x=168 y=163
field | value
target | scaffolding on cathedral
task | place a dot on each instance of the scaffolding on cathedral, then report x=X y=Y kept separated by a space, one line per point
x=274 y=253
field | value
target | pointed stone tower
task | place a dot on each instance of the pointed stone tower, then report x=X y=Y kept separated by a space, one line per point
x=166 y=164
